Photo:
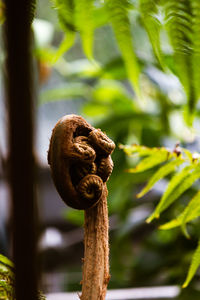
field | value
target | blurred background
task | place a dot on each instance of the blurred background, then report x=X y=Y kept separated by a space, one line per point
x=140 y=254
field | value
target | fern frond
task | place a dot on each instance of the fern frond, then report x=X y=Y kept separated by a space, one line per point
x=182 y=24
x=64 y=46
x=142 y=150
x=177 y=186
x=191 y=212
x=2 y=12
x=66 y=16
x=193 y=266
x=179 y=183
x=118 y=12
x=165 y=170
x=150 y=162
x=84 y=22
x=196 y=45
x=149 y=12
x=65 y=9
x=71 y=91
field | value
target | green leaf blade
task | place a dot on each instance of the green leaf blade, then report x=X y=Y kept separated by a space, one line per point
x=180 y=183
x=118 y=12
x=142 y=150
x=71 y=91
x=150 y=162
x=193 y=266
x=64 y=46
x=149 y=10
x=180 y=28
x=191 y=212
x=165 y=170
x=84 y=22
x=66 y=14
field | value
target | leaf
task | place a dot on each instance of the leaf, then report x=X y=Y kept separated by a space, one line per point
x=150 y=162
x=142 y=150
x=2 y=12
x=180 y=28
x=188 y=154
x=64 y=46
x=114 y=69
x=94 y=109
x=109 y=90
x=84 y=22
x=193 y=266
x=70 y=91
x=177 y=185
x=162 y=172
x=191 y=212
x=100 y=16
x=66 y=14
x=118 y=12
x=149 y=12
x=5 y=261
x=196 y=45
x=79 y=68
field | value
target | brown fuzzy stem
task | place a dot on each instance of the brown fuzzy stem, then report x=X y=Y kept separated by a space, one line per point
x=96 y=261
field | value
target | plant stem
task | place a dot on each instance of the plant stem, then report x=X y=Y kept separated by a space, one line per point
x=96 y=261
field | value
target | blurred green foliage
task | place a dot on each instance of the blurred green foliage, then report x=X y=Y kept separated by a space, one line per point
x=134 y=88
x=6 y=278
x=169 y=161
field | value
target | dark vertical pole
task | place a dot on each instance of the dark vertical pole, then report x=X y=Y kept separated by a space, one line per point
x=20 y=104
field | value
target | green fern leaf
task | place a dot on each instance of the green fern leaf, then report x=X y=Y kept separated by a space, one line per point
x=66 y=15
x=6 y=278
x=196 y=45
x=142 y=150
x=165 y=170
x=6 y=262
x=179 y=183
x=193 y=266
x=118 y=12
x=188 y=155
x=71 y=91
x=149 y=11
x=2 y=12
x=179 y=25
x=150 y=162
x=64 y=46
x=191 y=212
x=84 y=22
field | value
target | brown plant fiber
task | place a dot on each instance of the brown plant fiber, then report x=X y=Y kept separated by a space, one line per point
x=96 y=258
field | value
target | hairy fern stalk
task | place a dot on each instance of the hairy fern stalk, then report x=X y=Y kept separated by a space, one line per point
x=185 y=169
